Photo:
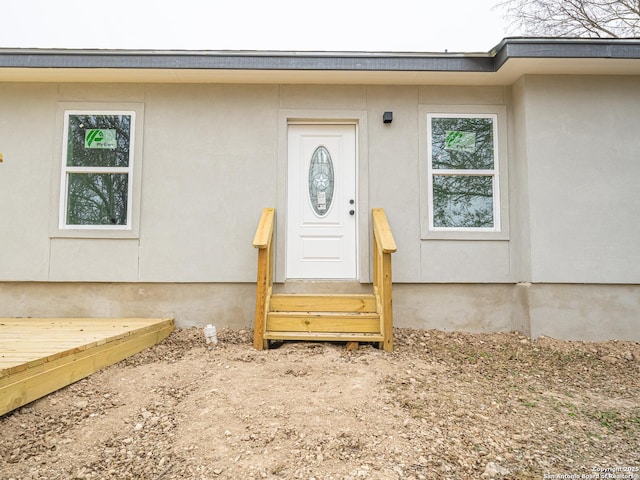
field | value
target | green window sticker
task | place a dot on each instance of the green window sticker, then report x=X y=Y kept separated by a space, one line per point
x=100 y=138
x=460 y=141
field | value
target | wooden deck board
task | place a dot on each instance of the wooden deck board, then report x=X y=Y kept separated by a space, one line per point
x=41 y=355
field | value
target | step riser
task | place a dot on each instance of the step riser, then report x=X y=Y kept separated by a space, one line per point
x=339 y=323
x=323 y=303
x=323 y=287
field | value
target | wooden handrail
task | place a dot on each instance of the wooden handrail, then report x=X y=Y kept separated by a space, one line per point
x=383 y=246
x=264 y=232
x=382 y=231
x=263 y=240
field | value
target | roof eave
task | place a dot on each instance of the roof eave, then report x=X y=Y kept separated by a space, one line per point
x=411 y=67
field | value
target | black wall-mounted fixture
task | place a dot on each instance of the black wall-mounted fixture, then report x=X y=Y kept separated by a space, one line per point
x=387 y=117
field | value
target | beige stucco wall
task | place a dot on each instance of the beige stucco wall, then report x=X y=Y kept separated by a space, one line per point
x=578 y=158
x=27 y=119
x=213 y=157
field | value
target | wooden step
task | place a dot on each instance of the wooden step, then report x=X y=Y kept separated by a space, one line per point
x=323 y=303
x=324 y=336
x=323 y=322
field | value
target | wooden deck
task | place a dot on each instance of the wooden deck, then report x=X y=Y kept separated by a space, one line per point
x=41 y=355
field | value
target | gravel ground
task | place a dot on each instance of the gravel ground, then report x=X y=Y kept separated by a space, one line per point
x=442 y=405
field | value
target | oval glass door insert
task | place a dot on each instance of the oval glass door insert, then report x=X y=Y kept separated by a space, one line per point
x=321 y=181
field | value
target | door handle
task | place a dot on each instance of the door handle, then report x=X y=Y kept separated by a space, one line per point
x=351 y=202
x=352 y=212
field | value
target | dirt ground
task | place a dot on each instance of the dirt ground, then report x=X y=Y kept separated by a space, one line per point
x=442 y=405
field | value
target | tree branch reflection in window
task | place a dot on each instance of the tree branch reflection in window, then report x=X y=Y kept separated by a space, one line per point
x=98 y=173
x=463 y=170
x=447 y=156
x=462 y=201
x=97 y=199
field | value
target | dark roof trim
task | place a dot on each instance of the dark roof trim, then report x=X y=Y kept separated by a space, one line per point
x=242 y=61
x=565 y=48
x=324 y=61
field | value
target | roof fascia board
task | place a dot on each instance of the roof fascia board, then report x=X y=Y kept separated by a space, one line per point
x=245 y=61
x=463 y=63
x=565 y=48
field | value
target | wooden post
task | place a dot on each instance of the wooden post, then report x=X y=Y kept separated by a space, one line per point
x=383 y=246
x=263 y=241
x=387 y=303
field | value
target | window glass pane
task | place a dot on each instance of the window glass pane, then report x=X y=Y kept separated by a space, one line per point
x=97 y=199
x=462 y=143
x=462 y=201
x=98 y=140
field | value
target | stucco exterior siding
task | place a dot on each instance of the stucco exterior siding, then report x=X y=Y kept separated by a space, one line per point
x=582 y=148
x=27 y=136
x=211 y=160
x=209 y=169
x=213 y=155
x=393 y=183
x=519 y=196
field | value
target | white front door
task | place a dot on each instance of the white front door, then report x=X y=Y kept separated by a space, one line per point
x=321 y=195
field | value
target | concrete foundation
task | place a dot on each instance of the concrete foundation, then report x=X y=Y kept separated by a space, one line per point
x=564 y=311
x=190 y=304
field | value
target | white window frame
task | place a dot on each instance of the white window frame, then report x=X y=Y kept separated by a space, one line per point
x=498 y=174
x=59 y=227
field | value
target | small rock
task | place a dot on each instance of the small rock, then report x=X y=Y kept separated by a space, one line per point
x=81 y=404
x=609 y=359
x=628 y=356
x=493 y=469
x=217 y=471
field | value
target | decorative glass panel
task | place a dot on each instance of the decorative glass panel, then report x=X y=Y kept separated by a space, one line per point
x=98 y=140
x=321 y=181
x=463 y=201
x=97 y=199
x=462 y=143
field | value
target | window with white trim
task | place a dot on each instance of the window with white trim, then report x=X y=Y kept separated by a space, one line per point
x=463 y=184
x=97 y=170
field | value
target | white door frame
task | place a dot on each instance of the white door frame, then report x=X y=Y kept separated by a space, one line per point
x=319 y=117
